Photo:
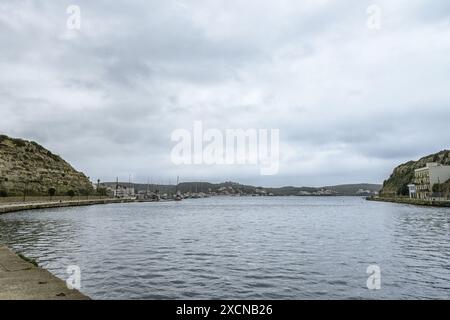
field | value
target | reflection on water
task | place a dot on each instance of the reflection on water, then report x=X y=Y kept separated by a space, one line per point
x=250 y=248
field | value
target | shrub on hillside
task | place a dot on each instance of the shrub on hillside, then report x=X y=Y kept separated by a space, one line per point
x=19 y=143
x=51 y=192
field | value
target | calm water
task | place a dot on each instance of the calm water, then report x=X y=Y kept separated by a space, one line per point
x=251 y=248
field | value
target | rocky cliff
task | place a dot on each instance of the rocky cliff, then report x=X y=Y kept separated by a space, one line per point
x=397 y=184
x=26 y=165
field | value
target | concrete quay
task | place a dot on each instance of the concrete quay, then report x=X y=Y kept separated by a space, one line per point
x=21 y=280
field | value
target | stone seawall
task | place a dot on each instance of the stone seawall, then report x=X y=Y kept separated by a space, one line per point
x=6 y=208
x=417 y=202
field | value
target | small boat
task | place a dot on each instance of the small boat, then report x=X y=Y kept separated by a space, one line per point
x=178 y=196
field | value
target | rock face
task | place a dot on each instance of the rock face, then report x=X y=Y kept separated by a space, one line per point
x=397 y=184
x=26 y=165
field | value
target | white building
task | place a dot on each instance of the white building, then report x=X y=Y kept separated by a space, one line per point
x=412 y=190
x=123 y=192
x=428 y=176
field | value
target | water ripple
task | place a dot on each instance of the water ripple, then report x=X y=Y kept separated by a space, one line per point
x=249 y=248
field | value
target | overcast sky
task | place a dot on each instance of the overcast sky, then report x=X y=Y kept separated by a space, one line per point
x=351 y=102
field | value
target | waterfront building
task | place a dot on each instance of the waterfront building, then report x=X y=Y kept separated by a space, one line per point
x=412 y=191
x=426 y=177
x=123 y=192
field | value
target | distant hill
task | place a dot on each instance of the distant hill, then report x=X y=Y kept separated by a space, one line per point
x=355 y=189
x=237 y=188
x=28 y=165
x=397 y=184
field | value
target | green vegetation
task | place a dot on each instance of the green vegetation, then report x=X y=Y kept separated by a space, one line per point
x=397 y=184
x=443 y=188
x=102 y=192
x=29 y=260
x=84 y=192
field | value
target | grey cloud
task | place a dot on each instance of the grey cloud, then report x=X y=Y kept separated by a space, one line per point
x=108 y=97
